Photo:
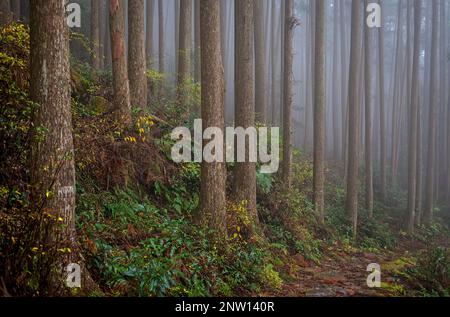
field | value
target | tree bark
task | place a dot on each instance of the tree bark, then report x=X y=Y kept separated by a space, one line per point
x=287 y=92
x=95 y=34
x=107 y=45
x=419 y=176
x=260 y=64
x=368 y=119
x=336 y=81
x=245 y=172
x=382 y=112
x=119 y=63
x=149 y=32
x=184 y=51
x=15 y=8
x=396 y=96
x=52 y=158
x=430 y=175
x=161 y=45
x=137 y=64
x=213 y=175
x=319 y=112
x=197 y=49
x=353 y=122
x=413 y=131
x=5 y=13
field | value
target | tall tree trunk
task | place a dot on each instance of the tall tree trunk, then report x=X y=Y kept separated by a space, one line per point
x=353 y=122
x=137 y=64
x=149 y=32
x=161 y=45
x=213 y=175
x=336 y=81
x=319 y=111
x=344 y=97
x=15 y=8
x=177 y=33
x=197 y=67
x=119 y=63
x=95 y=34
x=260 y=63
x=448 y=147
x=245 y=172
x=223 y=33
x=418 y=203
x=282 y=54
x=5 y=13
x=289 y=25
x=397 y=78
x=444 y=55
x=184 y=51
x=413 y=131
x=107 y=45
x=310 y=76
x=430 y=176
x=274 y=68
x=53 y=168
x=149 y=46
x=103 y=35
x=368 y=119
x=383 y=146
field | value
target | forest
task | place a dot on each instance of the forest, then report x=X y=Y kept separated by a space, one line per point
x=225 y=148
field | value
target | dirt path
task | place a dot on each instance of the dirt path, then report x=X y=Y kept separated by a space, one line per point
x=342 y=274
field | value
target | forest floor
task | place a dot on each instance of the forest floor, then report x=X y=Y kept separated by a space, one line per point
x=342 y=272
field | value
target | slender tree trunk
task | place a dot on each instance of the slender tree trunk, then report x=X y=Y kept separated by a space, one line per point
x=383 y=158
x=5 y=13
x=282 y=55
x=336 y=81
x=444 y=56
x=197 y=69
x=353 y=122
x=368 y=119
x=289 y=25
x=184 y=52
x=223 y=33
x=245 y=172
x=396 y=99
x=15 y=8
x=149 y=47
x=260 y=63
x=344 y=97
x=274 y=50
x=161 y=45
x=413 y=133
x=430 y=176
x=448 y=148
x=213 y=175
x=107 y=46
x=319 y=111
x=95 y=34
x=310 y=76
x=52 y=158
x=418 y=203
x=119 y=62
x=149 y=32
x=137 y=64
x=102 y=22
x=177 y=33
